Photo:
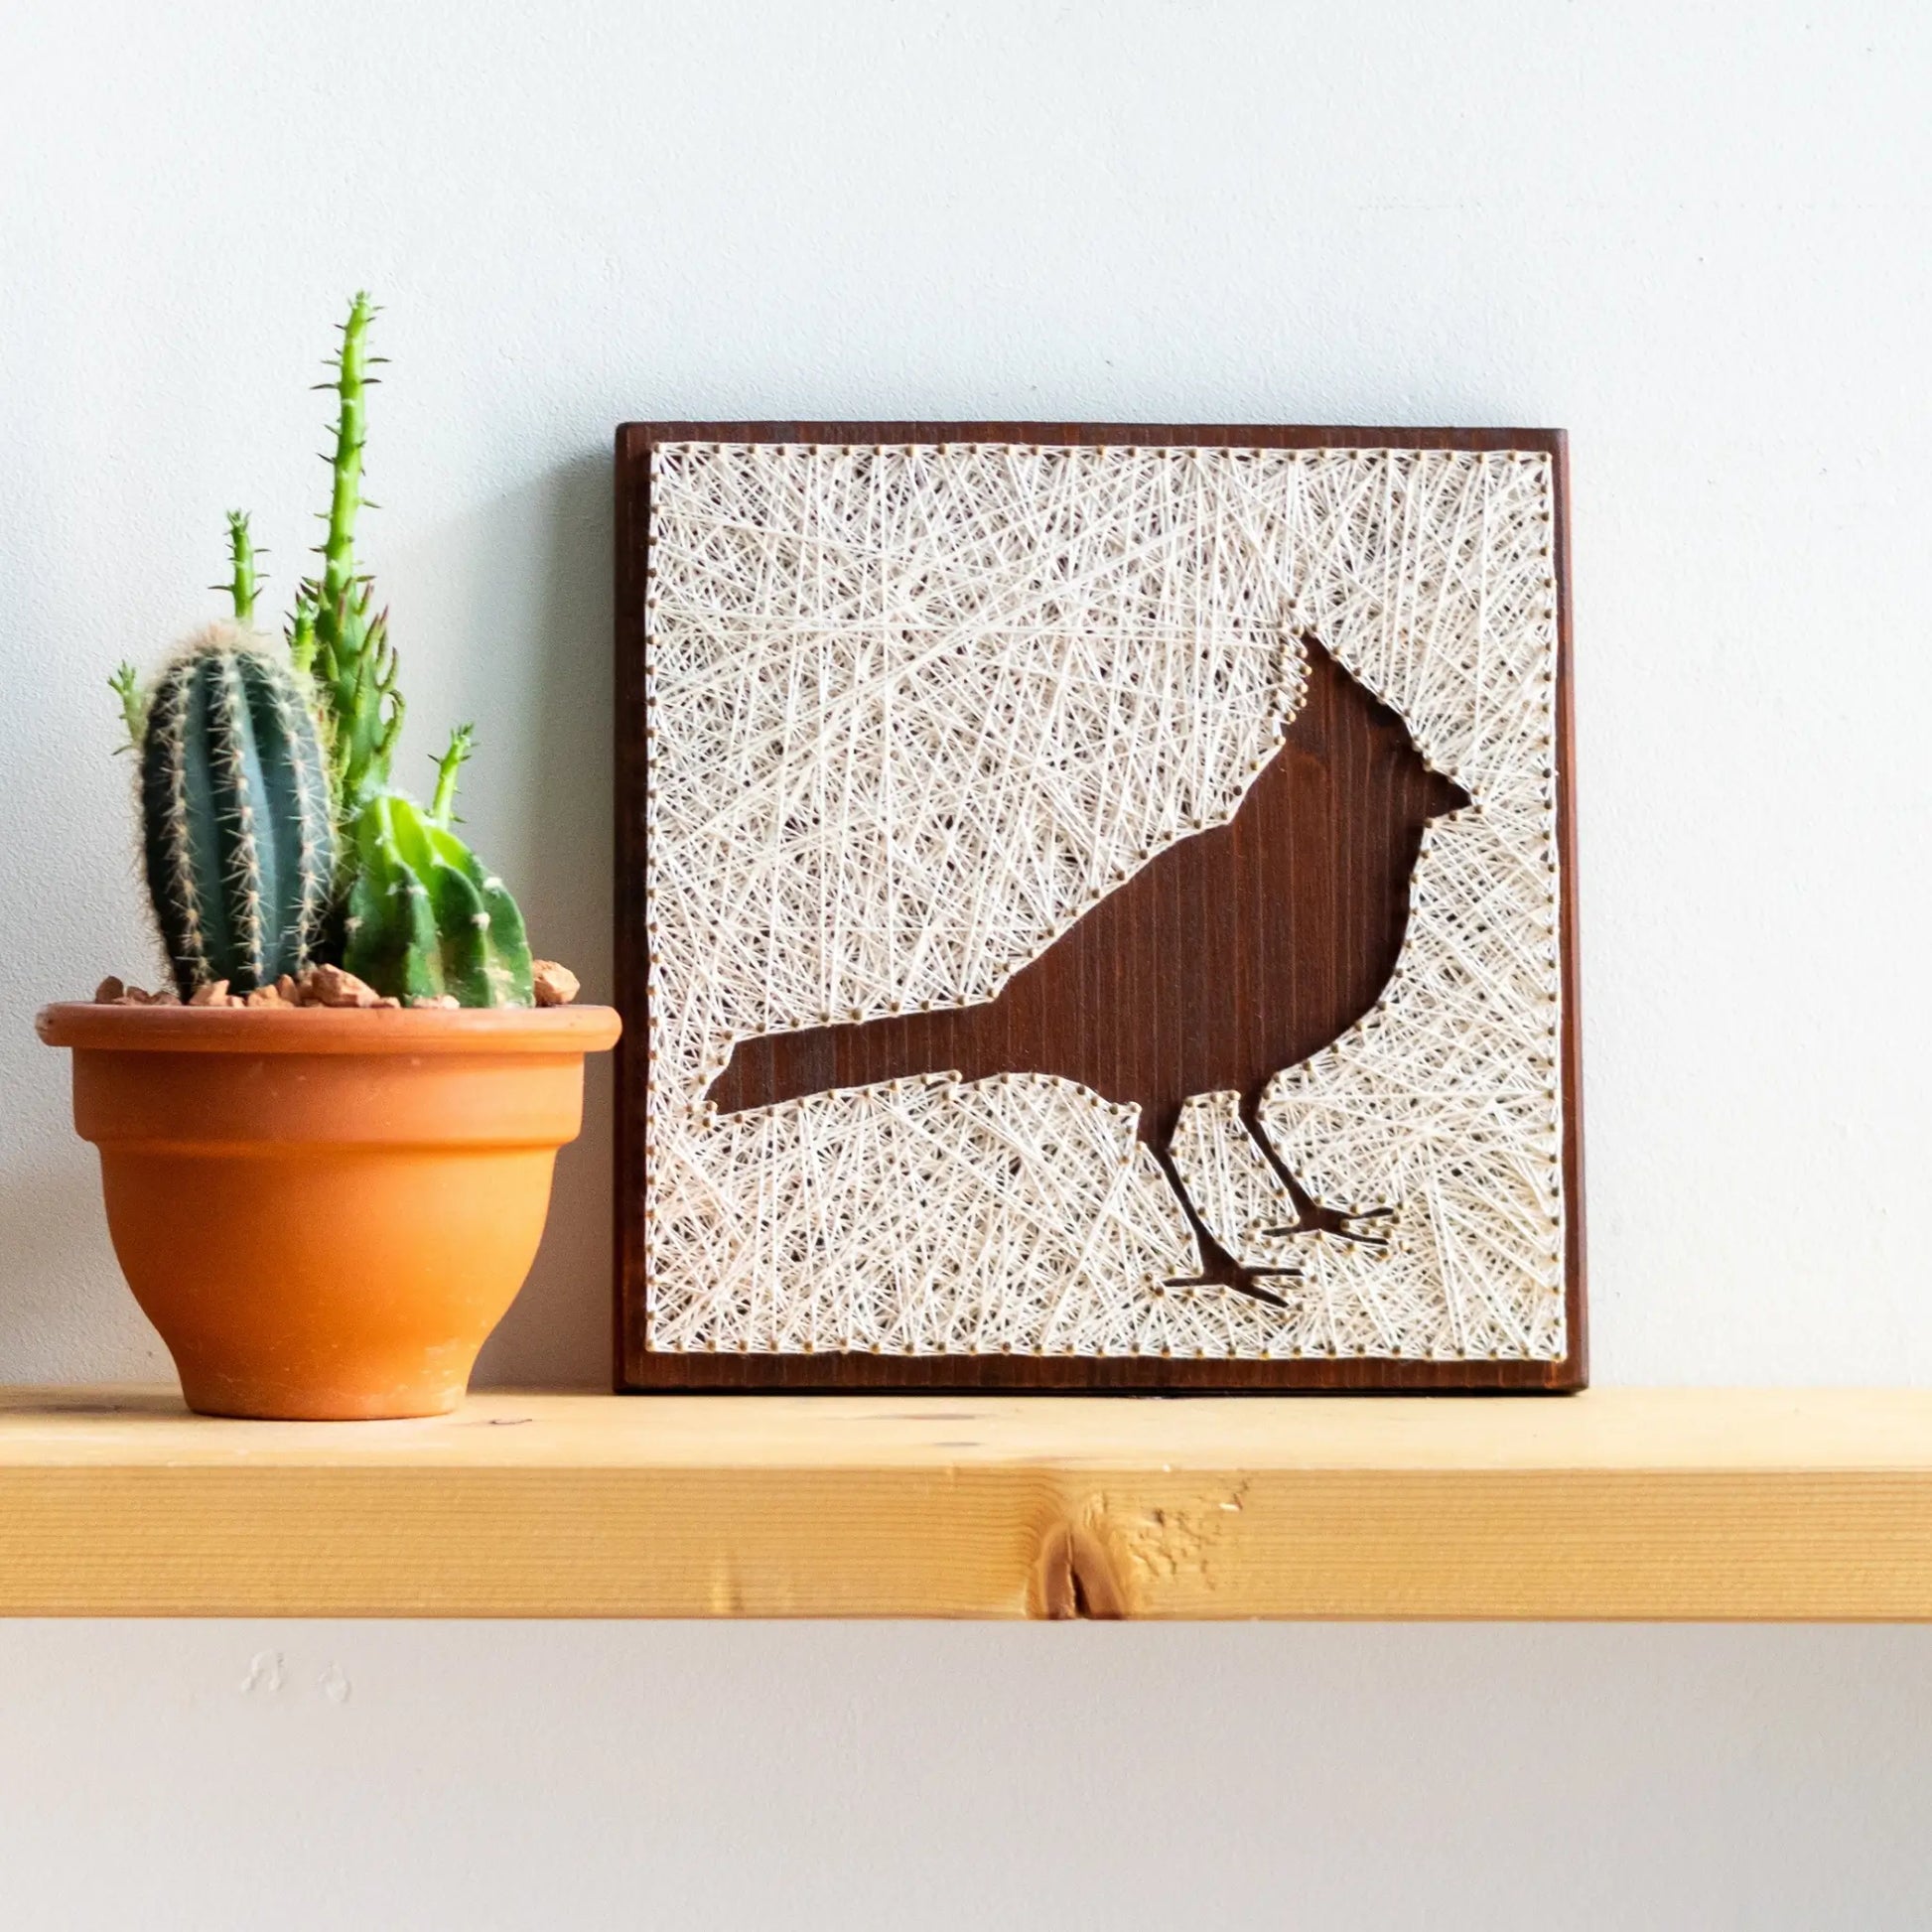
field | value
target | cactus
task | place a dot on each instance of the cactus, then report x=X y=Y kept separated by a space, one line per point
x=126 y=686
x=335 y=632
x=234 y=799
x=253 y=758
x=241 y=565
x=441 y=804
x=425 y=917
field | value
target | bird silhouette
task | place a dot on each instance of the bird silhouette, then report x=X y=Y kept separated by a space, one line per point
x=1234 y=953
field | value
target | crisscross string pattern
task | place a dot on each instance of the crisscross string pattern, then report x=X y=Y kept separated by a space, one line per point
x=913 y=710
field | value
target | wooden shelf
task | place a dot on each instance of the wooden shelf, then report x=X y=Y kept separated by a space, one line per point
x=1619 y=1503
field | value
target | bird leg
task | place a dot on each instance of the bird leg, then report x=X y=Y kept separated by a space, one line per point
x=1311 y=1217
x=1219 y=1269
x=1229 y=1194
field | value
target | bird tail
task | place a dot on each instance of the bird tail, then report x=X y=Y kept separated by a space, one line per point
x=775 y=1067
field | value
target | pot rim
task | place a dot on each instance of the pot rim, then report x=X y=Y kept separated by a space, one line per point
x=380 y=1031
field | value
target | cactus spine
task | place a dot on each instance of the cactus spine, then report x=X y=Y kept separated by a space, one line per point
x=425 y=917
x=234 y=799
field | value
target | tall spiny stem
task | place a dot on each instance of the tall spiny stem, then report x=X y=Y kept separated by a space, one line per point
x=351 y=655
x=126 y=685
x=241 y=558
x=346 y=494
x=442 y=805
x=302 y=629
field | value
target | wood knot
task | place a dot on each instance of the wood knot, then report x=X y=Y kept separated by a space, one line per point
x=1074 y=1578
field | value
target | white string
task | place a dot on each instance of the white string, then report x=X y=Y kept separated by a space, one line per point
x=912 y=712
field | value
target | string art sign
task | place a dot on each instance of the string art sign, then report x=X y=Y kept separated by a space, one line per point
x=1095 y=909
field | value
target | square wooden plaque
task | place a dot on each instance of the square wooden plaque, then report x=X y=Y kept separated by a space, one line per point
x=1110 y=897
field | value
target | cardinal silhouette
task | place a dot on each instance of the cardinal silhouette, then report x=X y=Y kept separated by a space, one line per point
x=1233 y=954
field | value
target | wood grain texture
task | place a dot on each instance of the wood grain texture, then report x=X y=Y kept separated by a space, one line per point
x=1300 y=903
x=1627 y=1503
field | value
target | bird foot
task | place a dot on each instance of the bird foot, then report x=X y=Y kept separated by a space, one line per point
x=1373 y=1227
x=1243 y=1281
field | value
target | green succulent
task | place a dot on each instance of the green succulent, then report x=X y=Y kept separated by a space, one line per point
x=275 y=837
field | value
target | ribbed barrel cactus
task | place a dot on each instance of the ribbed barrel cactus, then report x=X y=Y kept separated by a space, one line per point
x=239 y=836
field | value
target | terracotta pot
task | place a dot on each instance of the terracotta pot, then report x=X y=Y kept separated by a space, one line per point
x=325 y=1214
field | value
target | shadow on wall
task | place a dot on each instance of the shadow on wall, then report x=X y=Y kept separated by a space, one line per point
x=62 y=1299
x=551 y=610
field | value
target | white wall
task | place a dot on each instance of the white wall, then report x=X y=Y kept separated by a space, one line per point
x=1696 y=237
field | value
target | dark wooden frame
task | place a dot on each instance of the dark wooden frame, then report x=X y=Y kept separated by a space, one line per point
x=638 y=1368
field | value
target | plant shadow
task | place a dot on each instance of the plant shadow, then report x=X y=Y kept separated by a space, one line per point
x=543 y=555
x=65 y=1304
